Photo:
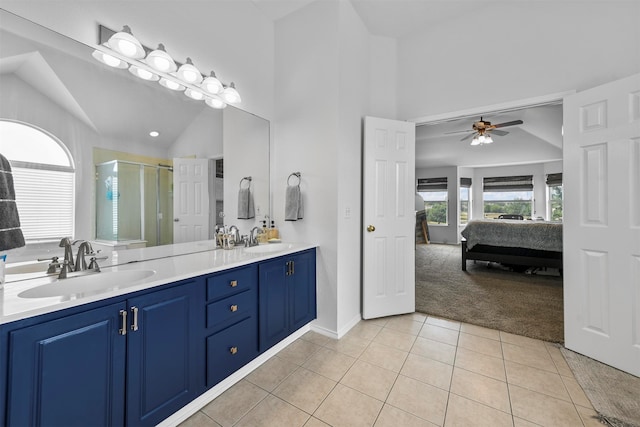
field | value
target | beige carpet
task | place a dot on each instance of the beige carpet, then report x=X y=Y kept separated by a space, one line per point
x=614 y=394
x=519 y=303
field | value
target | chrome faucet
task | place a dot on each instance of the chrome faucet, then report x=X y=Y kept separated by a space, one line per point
x=253 y=236
x=66 y=243
x=235 y=233
x=84 y=249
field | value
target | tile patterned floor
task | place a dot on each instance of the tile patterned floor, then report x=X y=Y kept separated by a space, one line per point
x=409 y=370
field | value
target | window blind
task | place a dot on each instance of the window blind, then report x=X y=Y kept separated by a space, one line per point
x=45 y=203
x=465 y=182
x=508 y=183
x=554 y=179
x=432 y=184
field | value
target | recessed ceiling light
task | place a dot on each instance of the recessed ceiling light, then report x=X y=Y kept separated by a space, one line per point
x=154 y=133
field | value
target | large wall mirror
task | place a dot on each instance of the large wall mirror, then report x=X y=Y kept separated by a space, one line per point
x=105 y=117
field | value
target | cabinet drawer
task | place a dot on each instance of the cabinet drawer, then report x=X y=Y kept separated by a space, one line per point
x=231 y=349
x=231 y=309
x=231 y=282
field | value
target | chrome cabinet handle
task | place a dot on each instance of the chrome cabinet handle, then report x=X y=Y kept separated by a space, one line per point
x=134 y=323
x=293 y=267
x=123 y=327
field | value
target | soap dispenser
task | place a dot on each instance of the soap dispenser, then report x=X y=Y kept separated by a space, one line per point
x=273 y=231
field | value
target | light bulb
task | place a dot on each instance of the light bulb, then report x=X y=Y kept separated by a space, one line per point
x=170 y=84
x=231 y=95
x=189 y=73
x=194 y=94
x=215 y=103
x=125 y=43
x=160 y=60
x=109 y=60
x=211 y=84
x=143 y=74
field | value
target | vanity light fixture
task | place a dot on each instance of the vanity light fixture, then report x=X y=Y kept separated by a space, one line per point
x=160 y=60
x=189 y=73
x=212 y=85
x=194 y=94
x=143 y=73
x=216 y=103
x=154 y=134
x=231 y=95
x=170 y=84
x=126 y=44
x=109 y=60
x=123 y=50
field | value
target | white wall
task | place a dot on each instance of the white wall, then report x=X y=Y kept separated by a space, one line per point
x=509 y=51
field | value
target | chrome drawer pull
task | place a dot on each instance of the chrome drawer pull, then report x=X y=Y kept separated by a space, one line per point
x=233 y=350
x=123 y=328
x=234 y=307
x=134 y=323
x=233 y=283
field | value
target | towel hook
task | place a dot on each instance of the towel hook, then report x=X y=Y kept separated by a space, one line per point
x=297 y=175
x=246 y=178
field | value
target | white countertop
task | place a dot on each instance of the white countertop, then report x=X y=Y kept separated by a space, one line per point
x=171 y=263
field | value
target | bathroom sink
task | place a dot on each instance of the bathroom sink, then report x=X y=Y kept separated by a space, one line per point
x=88 y=284
x=268 y=248
x=32 y=267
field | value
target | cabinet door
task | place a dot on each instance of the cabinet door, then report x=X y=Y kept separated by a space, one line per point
x=162 y=361
x=302 y=290
x=69 y=371
x=273 y=303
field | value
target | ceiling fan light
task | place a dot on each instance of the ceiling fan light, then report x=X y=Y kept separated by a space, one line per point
x=109 y=60
x=216 y=103
x=143 y=74
x=189 y=73
x=194 y=94
x=488 y=139
x=231 y=95
x=160 y=60
x=212 y=85
x=126 y=44
x=475 y=140
x=170 y=84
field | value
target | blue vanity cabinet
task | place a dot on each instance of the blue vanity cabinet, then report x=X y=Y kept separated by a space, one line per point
x=287 y=296
x=165 y=357
x=131 y=361
x=68 y=371
x=232 y=321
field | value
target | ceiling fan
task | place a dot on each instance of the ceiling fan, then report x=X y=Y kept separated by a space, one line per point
x=483 y=129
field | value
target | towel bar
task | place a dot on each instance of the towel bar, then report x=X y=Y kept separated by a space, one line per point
x=297 y=175
x=246 y=178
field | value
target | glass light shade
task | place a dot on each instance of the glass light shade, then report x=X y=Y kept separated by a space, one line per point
x=216 y=103
x=212 y=85
x=488 y=139
x=194 y=94
x=475 y=140
x=160 y=60
x=170 y=84
x=109 y=60
x=189 y=73
x=123 y=42
x=143 y=74
x=231 y=95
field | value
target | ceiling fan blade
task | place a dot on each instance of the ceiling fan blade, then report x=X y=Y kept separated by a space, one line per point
x=499 y=132
x=468 y=136
x=457 y=131
x=512 y=123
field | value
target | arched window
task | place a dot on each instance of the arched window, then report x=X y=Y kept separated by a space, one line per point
x=44 y=180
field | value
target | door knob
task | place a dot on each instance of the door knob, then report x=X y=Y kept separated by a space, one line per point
x=371 y=228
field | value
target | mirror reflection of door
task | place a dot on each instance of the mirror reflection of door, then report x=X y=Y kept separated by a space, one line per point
x=190 y=200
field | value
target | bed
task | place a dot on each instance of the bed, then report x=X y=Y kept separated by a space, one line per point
x=513 y=243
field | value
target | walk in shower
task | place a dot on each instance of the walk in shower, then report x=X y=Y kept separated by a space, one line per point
x=134 y=202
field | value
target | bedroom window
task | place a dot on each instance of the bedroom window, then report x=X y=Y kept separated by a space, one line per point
x=508 y=195
x=436 y=199
x=465 y=200
x=44 y=181
x=554 y=196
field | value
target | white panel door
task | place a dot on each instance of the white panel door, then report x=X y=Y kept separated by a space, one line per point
x=190 y=200
x=389 y=218
x=602 y=223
